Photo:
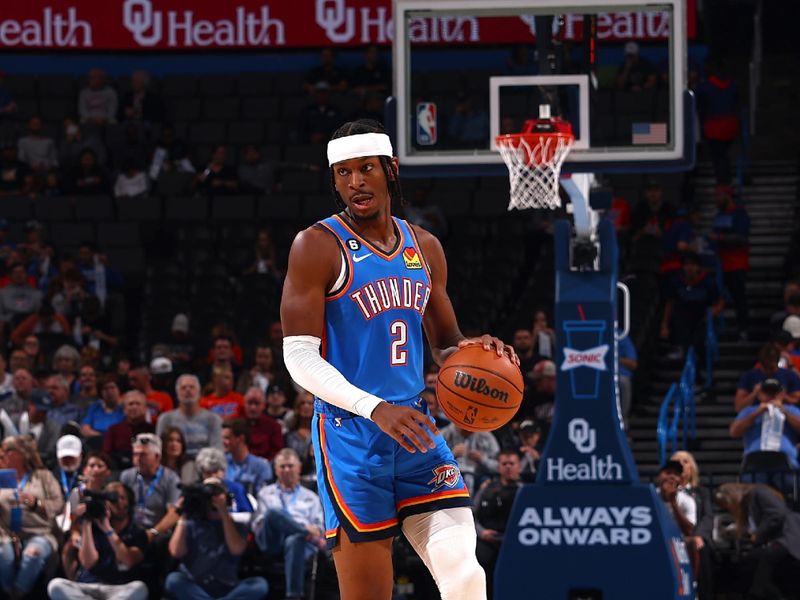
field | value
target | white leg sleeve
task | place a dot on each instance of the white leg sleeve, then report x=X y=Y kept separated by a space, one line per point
x=445 y=541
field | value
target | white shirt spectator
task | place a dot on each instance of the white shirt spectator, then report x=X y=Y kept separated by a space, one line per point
x=301 y=504
x=130 y=185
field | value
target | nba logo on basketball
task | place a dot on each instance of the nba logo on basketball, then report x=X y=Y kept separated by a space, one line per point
x=427 y=133
x=444 y=475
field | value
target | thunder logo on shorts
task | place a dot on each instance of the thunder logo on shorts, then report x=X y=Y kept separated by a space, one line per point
x=373 y=336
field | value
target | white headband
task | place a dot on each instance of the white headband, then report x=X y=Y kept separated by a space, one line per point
x=357 y=146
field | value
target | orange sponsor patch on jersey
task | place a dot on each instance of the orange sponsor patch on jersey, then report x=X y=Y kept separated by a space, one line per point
x=411 y=258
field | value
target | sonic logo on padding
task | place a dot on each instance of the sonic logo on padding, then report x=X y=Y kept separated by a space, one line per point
x=444 y=475
x=411 y=258
x=594 y=358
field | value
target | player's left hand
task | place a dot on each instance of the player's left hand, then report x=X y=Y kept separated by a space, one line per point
x=490 y=343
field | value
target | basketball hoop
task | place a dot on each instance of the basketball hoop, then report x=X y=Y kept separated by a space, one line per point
x=534 y=158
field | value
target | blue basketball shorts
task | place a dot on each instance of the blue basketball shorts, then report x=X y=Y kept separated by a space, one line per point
x=368 y=483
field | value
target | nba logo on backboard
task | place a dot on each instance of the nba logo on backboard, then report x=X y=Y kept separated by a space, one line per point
x=426 y=124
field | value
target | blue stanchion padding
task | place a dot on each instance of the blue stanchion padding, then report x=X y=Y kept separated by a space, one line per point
x=663 y=428
x=611 y=542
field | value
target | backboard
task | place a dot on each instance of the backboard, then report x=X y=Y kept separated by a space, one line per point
x=467 y=70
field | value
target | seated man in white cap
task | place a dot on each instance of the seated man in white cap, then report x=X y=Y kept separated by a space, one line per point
x=69 y=452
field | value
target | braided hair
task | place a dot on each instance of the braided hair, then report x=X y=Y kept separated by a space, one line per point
x=357 y=127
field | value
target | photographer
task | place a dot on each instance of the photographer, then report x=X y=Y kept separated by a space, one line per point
x=209 y=544
x=104 y=550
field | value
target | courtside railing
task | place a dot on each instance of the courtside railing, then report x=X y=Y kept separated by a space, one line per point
x=684 y=415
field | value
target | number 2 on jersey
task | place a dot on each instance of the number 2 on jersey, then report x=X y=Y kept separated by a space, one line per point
x=399 y=330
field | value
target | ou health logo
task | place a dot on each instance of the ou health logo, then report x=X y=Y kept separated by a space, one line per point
x=139 y=17
x=583 y=437
x=332 y=15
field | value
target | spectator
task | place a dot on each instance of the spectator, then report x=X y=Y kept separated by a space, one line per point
x=209 y=550
x=36 y=501
x=36 y=150
x=87 y=387
x=179 y=347
x=69 y=453
x=88 y=178
x=544 y=338
x=69 y=301
x=718 y=106
x=97 y=103
x=771 y=425
x=22 y=393
x=425 y=213
x=262 y=374
x=439 y=418
x=6 y=380
x=264 y=259
x=140 y=379
x=131 y=181
x=94 y=266
x=257 y=174
x=468 y=126
x=530 y=437
x=74 y=143
x=7 y=104
x=96 y=474
x=703 y=532
x=636 y=73
x=20 y=359
x=539 y=399
x=791 y=302
x=774 y=531
x=299 y=433
x=117 y=439
x=277 y=409
x=102 y=557
x=249 y=471
x=223 y=400
x=105 y=412
x=224 y=354
x=18 y=299
x=681 y=505
x=63 y=410
x=628 y=363
x=218 y=178
x=170 y=156
x=321 y=117
x=289 y=522
x=492 y=508
x=141 y=104
x=518 y=62
x=750 y=382
x=15 y=175
x=786 y=343
x=651 y=219
x=44 y=321
x=211 y=463
x=475 y=452
x=690 y=293
x=523 y=346
x=266 y=435
x=175 y=457
x=373 y=76
x=731 y=230
x=200 y=427
x=326 y=72
x=66 y=362
x=36 y=424
x=155 y=488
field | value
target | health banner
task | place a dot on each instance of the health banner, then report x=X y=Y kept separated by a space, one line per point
x=260 y=24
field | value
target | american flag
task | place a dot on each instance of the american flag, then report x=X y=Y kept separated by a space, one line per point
x=649 y=133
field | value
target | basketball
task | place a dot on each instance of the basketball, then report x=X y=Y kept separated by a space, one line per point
x=478 y=390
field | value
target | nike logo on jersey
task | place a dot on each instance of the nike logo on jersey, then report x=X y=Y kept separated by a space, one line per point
x=358 y=259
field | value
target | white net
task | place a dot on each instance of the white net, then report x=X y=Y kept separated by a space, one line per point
x=534 y=167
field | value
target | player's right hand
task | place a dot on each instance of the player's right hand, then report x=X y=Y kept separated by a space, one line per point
x=408 y=427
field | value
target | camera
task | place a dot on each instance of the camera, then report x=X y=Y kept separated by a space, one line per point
x=197 y=498
x=96 y=503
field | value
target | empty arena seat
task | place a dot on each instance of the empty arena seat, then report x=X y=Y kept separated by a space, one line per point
x=53 y=85
x=129 y=261
x=57 y=109
x=261 y=107
x=206 y=132
x=279 y=206
x=55 y=208
x=452 y=205
x=20 y=85
x=233 y=207
x=488 y=203
x=300 y=181
x=142 y=208
x=16 y=208
x=246 y=132
x=118 y=234
x=93 y=208
x=179 y=85
x=27 y=107
x=254 y=84
x=71 y=234
x=221 y=108
x=217 y=85
x=317 y=206
x=173 y=183
x=183 y=109
x=185 y=208
x=305 y=153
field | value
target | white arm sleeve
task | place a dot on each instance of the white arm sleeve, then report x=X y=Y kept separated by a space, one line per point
x=318 y=376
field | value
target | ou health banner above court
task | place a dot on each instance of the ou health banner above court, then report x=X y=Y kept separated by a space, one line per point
x=254 y=24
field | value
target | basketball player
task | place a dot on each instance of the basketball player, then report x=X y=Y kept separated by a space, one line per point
x=361 y=285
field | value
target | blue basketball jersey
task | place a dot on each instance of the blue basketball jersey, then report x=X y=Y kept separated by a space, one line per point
x=373 y=323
